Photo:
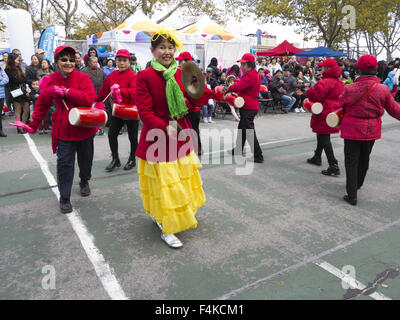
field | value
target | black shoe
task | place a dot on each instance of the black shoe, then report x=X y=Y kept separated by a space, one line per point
x=130 y=164
x=65 y=205
x=315 y=160
x=2 y=134
x=114 y=163
x=353 y=202
x=85 y=189
x=333 y=170
x=259 y=160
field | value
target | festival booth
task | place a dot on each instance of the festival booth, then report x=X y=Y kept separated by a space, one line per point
x=283 y=49
x=321 y=52
x=135 y=37
x=213 y=41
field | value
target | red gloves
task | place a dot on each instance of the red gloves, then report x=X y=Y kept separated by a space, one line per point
x=116 y=93
x=30 y=128
x=56 y=91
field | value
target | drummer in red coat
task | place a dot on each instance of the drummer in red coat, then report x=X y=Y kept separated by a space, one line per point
x=169 y=180
x=326 y=91
x=76 y=90
x=249 y=89
x=125 y=78
x=364 y=103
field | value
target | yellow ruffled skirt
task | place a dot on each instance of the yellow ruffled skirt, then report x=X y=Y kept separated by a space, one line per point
x=172 y=192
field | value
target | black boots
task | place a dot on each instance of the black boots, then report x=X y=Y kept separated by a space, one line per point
x=84 y=188
x=333 y=170
x=315 y=160
x=131 y=163
x=65 y=205
x=352 y=201
x=114 y=163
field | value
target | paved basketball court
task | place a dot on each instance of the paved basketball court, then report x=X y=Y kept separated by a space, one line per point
x=281 y=232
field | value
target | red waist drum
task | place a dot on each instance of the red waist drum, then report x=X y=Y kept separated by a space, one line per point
x=125 y=111
x=87 y=117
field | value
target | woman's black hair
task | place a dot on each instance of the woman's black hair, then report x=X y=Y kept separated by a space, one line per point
x=12 y=66
x=155 y=43
x=214 y=62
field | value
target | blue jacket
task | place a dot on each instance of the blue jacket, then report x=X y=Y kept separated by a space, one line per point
x=107 y=70
x=389 y=80
x=3 y=82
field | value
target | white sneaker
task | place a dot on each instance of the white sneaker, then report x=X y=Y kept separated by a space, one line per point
x=210 y=120
x=205 y=120
x=171 y=240
x=296 y=110
x=302 y=109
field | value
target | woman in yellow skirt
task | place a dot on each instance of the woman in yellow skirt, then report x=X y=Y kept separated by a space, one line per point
x=169 y=180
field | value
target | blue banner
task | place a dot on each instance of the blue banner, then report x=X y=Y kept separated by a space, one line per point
x=46 y=43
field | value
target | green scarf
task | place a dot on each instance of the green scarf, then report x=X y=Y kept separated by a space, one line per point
x=175 y=99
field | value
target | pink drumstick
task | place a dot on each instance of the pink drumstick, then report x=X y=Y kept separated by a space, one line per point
x=22 y=125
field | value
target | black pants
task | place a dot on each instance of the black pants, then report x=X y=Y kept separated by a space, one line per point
x=1 y=118
x=324 y=144
x=247 y=122
x=356 y=160
x=116 y=125
x=66 y=151
x=299 y=100
x=194 y=118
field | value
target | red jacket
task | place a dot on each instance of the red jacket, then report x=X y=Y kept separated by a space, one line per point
x=127 y=84
x=153 y=110
x=326 y=91
x=249 y=88
x=80 y=94
x=362 y=120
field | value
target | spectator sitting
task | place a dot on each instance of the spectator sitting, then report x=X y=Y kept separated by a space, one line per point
x=45 y=69
x=278 y=89
x=290 y=81
x=109 y=67
x=316 y=78
x=274 y=66
x=216 y=73
x=300 y=94
x=308 y=76
x=264 y=80
x=210 y=79
x=234 y=70
x=222 y=79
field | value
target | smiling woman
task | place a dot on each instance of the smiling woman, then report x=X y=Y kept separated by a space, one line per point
x=68 y=88
x=169 y=180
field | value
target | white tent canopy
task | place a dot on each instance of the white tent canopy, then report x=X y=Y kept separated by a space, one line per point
x=203 y=40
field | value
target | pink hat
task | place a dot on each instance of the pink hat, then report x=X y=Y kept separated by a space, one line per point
x=123 y=53
x=247 y=57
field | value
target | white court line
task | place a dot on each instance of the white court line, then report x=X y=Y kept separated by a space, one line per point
x=248 y=148
x=308 y=260
x=103 y=270
x=352 y=282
